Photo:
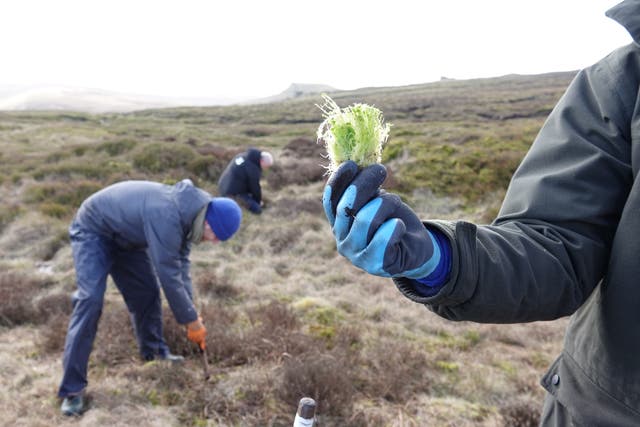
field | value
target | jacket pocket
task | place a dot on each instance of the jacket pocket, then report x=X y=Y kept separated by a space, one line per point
x=587 y=403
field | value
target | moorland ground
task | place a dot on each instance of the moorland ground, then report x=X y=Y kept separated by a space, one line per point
x=287 y=316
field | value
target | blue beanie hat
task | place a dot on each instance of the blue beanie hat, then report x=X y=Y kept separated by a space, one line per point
x=223 y=216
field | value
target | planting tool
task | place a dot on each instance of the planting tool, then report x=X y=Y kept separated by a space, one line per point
x=205 y=364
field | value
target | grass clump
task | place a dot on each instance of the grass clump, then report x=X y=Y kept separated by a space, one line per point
x=395 y=375
x=326 y=377
x=55 y=210
x=353 y=133
x=115 y=148
x=58 y=199
x=115 y=341
x=208 y=168
x=159 y=157
x=18 y=293
x=8 y=213
x=521 y=413
x=210 y=284
x=471 y=170
x=72 y=170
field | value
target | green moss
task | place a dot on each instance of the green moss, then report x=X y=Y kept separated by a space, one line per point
x=322 y=331
x=446 y=366
x=326 y=315
x=322 y=321
x=539 y=360
x=306 y=303
x=153 y=397
x=353 y=133
x=443 y=339
x=507 y=367
x=472 y=338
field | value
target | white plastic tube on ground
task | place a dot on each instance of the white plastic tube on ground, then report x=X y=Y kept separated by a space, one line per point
x=306 y=414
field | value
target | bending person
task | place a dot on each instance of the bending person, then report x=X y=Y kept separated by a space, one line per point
x=133 y=231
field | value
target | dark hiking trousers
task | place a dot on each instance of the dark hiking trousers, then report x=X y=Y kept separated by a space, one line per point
x=95 y=257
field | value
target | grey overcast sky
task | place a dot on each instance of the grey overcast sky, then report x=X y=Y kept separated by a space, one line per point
x=253 y=48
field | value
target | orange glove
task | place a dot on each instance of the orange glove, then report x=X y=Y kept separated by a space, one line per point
x=197 y=333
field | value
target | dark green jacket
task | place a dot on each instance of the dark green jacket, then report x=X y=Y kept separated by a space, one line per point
x=567 y=241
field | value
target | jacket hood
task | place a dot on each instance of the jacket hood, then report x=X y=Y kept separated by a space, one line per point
x=627 y=14
x=253 y=155
x=189 y=200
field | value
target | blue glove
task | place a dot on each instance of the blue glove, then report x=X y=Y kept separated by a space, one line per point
x=379 y=233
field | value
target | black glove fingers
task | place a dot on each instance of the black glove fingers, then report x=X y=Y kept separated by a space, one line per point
x=394 y=261
x=340 y=180
x=413 y=223
x=388 y=208
x=359 y=191
x=367 y=184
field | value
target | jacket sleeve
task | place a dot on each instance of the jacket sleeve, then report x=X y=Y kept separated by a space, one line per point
x=185 y=265
x=549 y=246
x=253 y=176
x=165 y=246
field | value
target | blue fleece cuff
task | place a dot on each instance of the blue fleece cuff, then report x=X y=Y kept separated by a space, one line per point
x=431 y=284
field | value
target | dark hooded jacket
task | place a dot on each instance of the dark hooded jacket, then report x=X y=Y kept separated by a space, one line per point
x=158 y=218
x=242 y=176
x=567 y=241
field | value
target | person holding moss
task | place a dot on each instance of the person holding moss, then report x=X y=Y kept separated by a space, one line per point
x=566 y=241
x=241 y=178
x=136 y=231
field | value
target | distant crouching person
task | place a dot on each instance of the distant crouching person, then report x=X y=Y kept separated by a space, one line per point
x=133 y=231
x=241 y=178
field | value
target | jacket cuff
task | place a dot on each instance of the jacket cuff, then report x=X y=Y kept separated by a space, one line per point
x=428 y=285
x=459 y=286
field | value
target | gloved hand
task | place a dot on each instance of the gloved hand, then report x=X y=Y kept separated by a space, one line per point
x=197 y=333
x=375 y=230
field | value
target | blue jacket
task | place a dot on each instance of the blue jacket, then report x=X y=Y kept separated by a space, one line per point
x=242 y=176
x=158 y=218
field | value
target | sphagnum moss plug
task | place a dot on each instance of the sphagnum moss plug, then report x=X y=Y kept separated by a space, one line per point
x=356 y=132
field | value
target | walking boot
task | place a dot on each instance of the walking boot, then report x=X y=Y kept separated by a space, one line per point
x=173 y=358
x=73 y=405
